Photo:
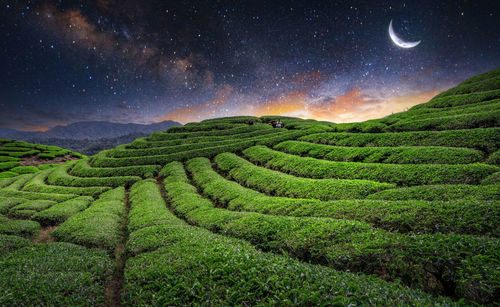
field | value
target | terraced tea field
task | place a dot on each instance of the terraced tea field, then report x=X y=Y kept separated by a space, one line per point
x=18 y=157
x=402 y=210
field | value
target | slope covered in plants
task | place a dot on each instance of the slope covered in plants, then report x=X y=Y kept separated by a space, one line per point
x=18 y=157
x=403 y=210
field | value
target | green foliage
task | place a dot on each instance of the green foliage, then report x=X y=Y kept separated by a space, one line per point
x=8 y=174
x=37 y=184
x=469 y=217
x=47 y=166
x=8 y=165
x=23 y=228
x=62 y=211
x=465 y=121
x=400 y=174
x=25 y=169
x=280 y=184
x=494 y=158
x=485 y=139
x=60 y=176
x=98 y=225
x=195 y=266
x=442 y=192
x=10 y=243
x=396 y=155
x=8 y=202
x=83 y=169
x=351 y=245
x=54 y=274
x=148 y=207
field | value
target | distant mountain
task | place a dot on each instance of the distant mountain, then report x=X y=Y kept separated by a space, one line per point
x=91 y=130
x=89 y=147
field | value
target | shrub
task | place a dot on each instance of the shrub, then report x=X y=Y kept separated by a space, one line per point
x=54 y=274
x=400 y=174
x=37 y=184
x=4 y=166
x=147 y=207
x=464 y=121
x=98 y=225
x=25 y=169
x=19 y=227
x=280 y=184
x=47 y=166
x=442 y=192
x=8 y=202
x=485 y=139
x=8 y=174
x=494 y=158
x=469 y=217
x=60 y=176
x=83 y=169
x=351 y=245
x=62 y=211
x=195 y=266
x=9 y=243
x=397 y=155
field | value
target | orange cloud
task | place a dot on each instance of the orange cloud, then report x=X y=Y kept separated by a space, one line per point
x=35 y=128
x=201 y=111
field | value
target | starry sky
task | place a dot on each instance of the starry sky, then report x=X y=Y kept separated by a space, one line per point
x=148 y=61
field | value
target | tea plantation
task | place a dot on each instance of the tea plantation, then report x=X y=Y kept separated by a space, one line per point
x=403 y=210
x=18 y=157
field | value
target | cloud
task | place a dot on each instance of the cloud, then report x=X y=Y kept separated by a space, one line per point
x=200 y=111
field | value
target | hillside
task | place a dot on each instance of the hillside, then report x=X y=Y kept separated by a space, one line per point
x=403 y=210
x=18 y=157
x=90 y=130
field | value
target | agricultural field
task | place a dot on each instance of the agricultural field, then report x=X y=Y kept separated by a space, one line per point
x=403 y=210
x=18 y=157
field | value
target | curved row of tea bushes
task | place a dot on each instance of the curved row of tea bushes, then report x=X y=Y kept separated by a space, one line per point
x=100 y=160
x=164 y=136
x=468 y=217
x=194 y=265
x=421 y=114
x=142 y=143
x=98 y=225
x=395 y=155
x=54 y=274
x=14 y=190
x=458 y=100
x=147 y=207
x=280 y=184
x=474 y=85
x=27 y=209
x=195 y=127
x=400 y=174
x=37 y=184
x=464 y=121
x=83 y=169
x=485 y=139
x=60 y=176
x=9 y=243
x=494 y=158
x=356 y=246
x=60 y=212
x=25 y=228
x=442 y=192
x=8 y=202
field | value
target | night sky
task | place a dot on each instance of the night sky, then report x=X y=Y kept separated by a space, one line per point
x=148 y=61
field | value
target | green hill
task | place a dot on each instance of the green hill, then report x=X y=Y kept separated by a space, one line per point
x=403 y=210
x=18 y=157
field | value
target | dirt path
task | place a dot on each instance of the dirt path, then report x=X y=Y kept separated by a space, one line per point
x=44 y=235
x=114 y=286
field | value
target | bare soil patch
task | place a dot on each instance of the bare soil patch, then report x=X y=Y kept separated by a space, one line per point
x=35 y=161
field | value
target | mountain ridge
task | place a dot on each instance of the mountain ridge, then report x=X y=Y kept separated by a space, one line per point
x=91 y=130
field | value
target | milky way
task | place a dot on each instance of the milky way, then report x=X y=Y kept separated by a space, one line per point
x=148 y=61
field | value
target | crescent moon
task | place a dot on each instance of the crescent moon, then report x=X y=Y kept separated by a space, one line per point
x=398 y=41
